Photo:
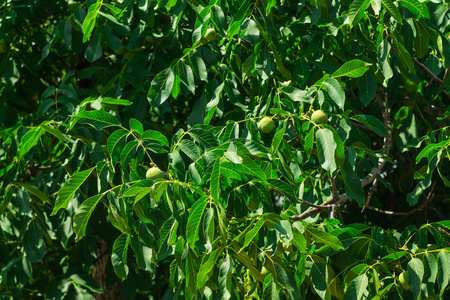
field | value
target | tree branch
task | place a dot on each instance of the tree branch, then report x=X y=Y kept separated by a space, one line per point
x=428 y=71
x=335 y=202
x=406 y=213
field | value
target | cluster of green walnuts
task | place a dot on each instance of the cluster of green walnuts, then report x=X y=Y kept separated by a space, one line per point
x=266 y=124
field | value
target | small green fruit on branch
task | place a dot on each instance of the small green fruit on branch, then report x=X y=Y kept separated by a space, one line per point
x=266 y=125
x=154 y=173
x=319 y=116
x=210 y=35
x=404 y=279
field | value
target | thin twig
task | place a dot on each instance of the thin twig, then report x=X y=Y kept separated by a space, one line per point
x=423 y=68
x=333 y=188
x=406 y=213
x=428 y=71
x=446 y=73
x=303 y=201
x=369 y=196
x=297 y=138
x=443 y=231
x=334 y=203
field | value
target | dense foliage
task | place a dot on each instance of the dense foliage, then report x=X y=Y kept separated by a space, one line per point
x=254 y=193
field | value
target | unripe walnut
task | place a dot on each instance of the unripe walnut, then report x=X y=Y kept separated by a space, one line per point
x=211 y=35
x=154 y=173
x=266 y=125
x=320 y=117
x=404 y=279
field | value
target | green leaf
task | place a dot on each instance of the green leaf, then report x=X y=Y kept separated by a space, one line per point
x=402 y=52
x=367 y=86
x=325 y=238
x=299 y=241
x=319 y=278
x=254 y=231
x=35 y=191
x=357 y=10
x=94 y=50
x=431 y=148
x=383 y=56
x=119 y=256
x=284 y=188
x=55 y=132
x=161 y=87
x=415 y=274
x=113 y=101
x=190 y=149
x=29 y=140
x=382 y=293
x=288 y=281
x=357 y=288
x=352 y=183
x=204 y=138
x=136 y=126
x=33 y=242
x=166 y=231
x=296 y=94
x=212 y=104
x=430 y=269
x=203 y=274
x=309 y=141
x=118 y=221
x=91 y=18
x=141 y=243
x=278 y=137
x=225 y=277
x=194 y=221
x=191 y=281
x=155 y=136
x=354 y=69
x=422 y=40
x=66 y=193
x=418 y=9
x=443 y=269
x=238 y=18
x=413 y=197
x=270 y=292
x=340 y=150
x=372 y=123
x=115 y=144
x=326 y=147
x=87 y=282
x=215 y=180
x=98 y=119
x=393 y=10
x=184 y=71
x=248 y=166
x=335 y=91
x=83 y=214
x=128 y=152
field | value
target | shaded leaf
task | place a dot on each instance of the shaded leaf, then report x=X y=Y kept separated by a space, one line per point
x=66 y=193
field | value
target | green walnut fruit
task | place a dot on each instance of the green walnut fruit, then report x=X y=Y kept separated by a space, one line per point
x=223 y=68
x=266 y=125
x=404 y=279
x=210 y=35
x=319 y=116
x=3 y=47
x=154 y=173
